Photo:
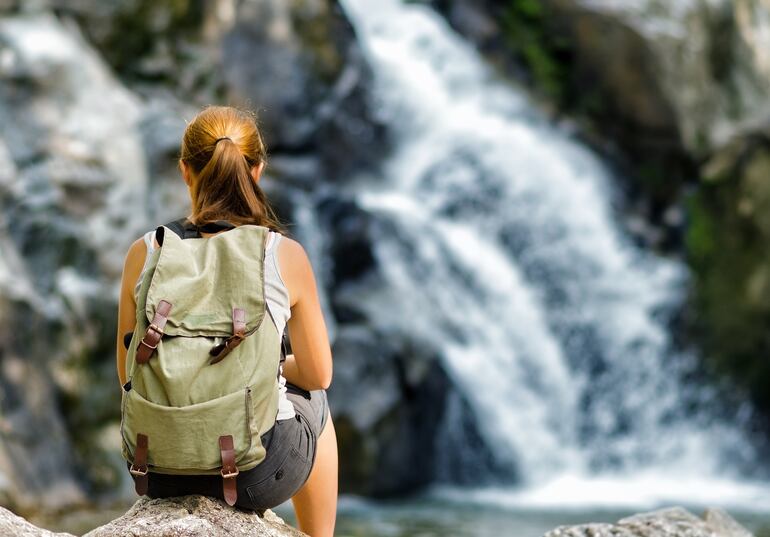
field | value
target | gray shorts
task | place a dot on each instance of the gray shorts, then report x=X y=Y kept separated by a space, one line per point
x=291 y=448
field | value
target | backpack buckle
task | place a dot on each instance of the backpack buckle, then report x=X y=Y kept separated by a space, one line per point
x=138 y=471
x=154 y=333
x=155 y=328
x=228 y=475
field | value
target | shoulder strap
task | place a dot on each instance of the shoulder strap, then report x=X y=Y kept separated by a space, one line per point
x=182 y=227
x=187 y=230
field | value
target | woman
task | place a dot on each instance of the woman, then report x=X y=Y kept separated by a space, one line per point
x=222 y=159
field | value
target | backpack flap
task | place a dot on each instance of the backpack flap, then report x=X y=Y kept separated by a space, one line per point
x=207 y=279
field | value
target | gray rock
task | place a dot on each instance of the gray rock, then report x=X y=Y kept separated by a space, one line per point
x=671 y=522
x=11 y=524
x=703 y=63
x=70 y=197
x=192 y=516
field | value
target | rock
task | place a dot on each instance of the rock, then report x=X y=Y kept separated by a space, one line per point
x=724 y=525
x=192 y=516
x=73 y=176
x=674 y=522
x=315 y=94
x=185 y=516
x=727 y=248
x=11 y=524
x=713 y=49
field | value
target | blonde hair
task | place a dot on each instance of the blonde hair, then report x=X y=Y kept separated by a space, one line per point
x=221 y=145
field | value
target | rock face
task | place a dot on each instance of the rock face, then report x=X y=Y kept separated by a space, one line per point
x=714 y=49
x=192 y=516
x=727 y=246
x=186 y=516
x=11 y=524
x=70 y=189
x=673 y=522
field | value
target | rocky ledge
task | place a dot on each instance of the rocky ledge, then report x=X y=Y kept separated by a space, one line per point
x=186 y=516
x=672 y=522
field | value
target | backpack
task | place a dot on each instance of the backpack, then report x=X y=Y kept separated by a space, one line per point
x=202 y=365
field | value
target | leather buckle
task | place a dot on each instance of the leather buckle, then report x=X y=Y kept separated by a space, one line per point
x=138 y=471
x=153 y=347
x=235 y=339
x=156 y=328
x=228 y=475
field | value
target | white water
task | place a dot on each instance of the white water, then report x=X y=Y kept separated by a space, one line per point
x=508 y=258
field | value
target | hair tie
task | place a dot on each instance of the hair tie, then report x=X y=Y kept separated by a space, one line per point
x=222 y=138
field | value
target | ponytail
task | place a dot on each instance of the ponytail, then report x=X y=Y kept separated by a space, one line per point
x=223 y=145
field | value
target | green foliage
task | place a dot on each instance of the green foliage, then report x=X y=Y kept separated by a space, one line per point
x=699 y=237
x=525 y=28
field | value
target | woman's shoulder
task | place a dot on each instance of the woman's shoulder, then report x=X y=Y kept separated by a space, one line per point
x=139 y=249
x=296 y=270
x=291 y=250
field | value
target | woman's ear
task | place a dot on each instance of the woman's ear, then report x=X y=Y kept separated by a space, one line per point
x=185 y=171
x=256 y=171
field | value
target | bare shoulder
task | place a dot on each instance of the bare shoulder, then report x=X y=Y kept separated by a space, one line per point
x=291 y=249
x=135 y=257
x=296 y=270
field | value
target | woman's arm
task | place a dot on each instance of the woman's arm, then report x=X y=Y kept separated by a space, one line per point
x=132 y=266
x=310 y=366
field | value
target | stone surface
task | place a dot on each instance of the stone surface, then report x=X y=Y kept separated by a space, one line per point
x=645 y=52
x=11 y=524
x=192 y=516
x=672 y=522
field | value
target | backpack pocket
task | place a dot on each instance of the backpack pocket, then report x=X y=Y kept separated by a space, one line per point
x=185 y=440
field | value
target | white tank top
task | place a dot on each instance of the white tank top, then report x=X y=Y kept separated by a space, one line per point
x=276 y=298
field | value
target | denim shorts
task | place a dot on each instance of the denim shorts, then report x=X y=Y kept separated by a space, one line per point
x=290 y=453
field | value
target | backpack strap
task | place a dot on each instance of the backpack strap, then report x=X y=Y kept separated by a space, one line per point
x=154 y=332
x=239 y=334
x=229 y=470
x=139 y=467
x=187 y=230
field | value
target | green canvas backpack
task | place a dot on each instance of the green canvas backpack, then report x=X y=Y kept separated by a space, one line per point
x=202 y=364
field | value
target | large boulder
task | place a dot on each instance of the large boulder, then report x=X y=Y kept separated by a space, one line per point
x=697 y=68
x=193 y=516
x=11 y=524
x=184 y=516
x=674 y=522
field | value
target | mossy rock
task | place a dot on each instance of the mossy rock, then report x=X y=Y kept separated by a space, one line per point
x=727 y=238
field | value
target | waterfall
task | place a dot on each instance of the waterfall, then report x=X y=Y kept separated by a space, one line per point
x=508 y=257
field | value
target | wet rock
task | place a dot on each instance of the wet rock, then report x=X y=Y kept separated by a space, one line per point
x=192 y=516
x=676 y=522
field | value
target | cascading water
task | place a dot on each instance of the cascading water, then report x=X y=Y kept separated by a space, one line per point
x=508 y=258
